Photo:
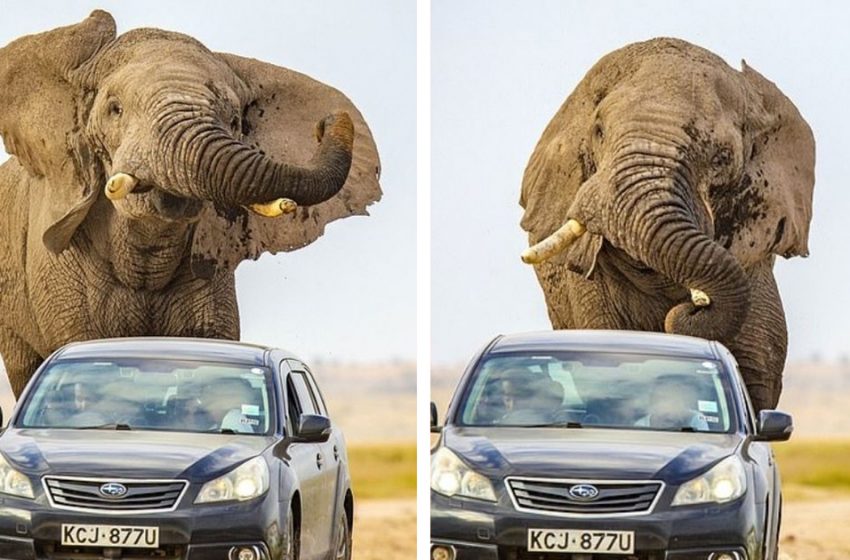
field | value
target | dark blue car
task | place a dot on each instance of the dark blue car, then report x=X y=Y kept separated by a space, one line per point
x=605 y=445
x=166 y=449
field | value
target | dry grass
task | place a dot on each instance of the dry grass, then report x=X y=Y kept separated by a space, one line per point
x=814 y=469
x=384 y=482
x=383 y=470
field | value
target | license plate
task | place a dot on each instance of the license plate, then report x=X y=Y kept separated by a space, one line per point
x=110 y=535
x=572 y=540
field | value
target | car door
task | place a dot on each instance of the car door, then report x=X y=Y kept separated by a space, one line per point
x=333 y=448
x=325 y=461
x=304 y=459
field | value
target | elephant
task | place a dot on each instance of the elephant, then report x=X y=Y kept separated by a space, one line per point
x=658 y=197
x=144 y=168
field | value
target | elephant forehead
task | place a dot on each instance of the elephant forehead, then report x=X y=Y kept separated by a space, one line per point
x=161 y=59
x=673 y=82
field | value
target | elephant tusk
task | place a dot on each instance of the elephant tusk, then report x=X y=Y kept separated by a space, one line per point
x=120 y=185
x=700 y=298
x=556 y=243
x=274 y=208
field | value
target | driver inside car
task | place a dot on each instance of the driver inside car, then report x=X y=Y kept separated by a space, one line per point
x=671 y=404
x=226 y=402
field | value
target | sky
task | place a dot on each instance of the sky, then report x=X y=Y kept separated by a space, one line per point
x=500 y=70
x=351 y=295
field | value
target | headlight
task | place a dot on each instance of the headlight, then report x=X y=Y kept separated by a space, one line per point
x=12 y=482
x=725 y=482
x=450 y=476
x=248 y=480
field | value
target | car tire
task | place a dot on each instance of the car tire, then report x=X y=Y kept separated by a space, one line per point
x=291 y=542
x=342 y=549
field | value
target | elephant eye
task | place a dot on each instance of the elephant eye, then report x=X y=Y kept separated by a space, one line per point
x=115 y=108
x=722 y=158
x=236 y=124
x=598 y=132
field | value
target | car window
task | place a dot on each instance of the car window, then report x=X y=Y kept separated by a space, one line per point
x=293 y=406
x=151 y=394
x=306 y=400
x=317 y=394
x=599 y=389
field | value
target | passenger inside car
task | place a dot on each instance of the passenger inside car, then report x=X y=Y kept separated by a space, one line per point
x=530 y=397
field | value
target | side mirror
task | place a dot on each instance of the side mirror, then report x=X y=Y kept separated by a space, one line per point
x=774 y=426
x=313 y=428
x=435 y=429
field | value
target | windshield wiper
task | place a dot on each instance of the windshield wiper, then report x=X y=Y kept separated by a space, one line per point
x=553 y=425
x=110 y=426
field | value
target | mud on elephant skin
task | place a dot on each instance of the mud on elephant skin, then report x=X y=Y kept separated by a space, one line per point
x=659 y=195
x=144 y=169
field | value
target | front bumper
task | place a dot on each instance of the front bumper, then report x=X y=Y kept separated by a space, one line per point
x=484 y=531
x=31 y=530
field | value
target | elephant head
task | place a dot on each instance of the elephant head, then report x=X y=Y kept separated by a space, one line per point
x=688 y=167
x=164 y=130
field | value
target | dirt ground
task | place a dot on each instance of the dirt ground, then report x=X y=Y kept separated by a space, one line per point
x=812 y=529
x=816 y=529
x=385 y=529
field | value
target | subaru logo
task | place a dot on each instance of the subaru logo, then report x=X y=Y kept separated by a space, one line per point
x=584 y=492
x=113 y=489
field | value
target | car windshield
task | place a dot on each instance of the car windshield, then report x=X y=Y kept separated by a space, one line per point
x=149 y=394
x=575 y=390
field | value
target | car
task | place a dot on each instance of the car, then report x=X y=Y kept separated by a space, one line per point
x=605 y=445
x=173 y=448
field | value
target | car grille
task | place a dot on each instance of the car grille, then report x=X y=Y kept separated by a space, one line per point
x=141 y=496
x=552 y=497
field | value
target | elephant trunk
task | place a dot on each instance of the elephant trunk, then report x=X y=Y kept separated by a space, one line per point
x=204 y=160
x=654 y=219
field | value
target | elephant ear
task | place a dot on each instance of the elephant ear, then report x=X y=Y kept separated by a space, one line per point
x=775 y=197
x=40 y=124
x=560 y=164
x=282 y=121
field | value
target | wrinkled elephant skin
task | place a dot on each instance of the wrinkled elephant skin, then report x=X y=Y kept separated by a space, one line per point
x=659 y=195
x=144 y=169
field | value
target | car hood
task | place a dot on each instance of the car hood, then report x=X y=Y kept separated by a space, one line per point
x=131 y=454
x=589 y=453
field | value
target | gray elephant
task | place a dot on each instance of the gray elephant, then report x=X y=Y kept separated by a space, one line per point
x=145 y=169
x=659 y=195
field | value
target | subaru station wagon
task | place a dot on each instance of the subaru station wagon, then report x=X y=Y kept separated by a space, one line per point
x=173 y=448
x=589 y=445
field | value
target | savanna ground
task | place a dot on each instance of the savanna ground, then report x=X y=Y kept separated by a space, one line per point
x=816 y=489
x=384 y=482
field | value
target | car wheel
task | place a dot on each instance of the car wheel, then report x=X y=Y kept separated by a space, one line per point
x=343 y=542
x=291 y=540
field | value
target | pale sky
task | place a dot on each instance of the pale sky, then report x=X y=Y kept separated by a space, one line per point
x=351 y=295
x=500 y=70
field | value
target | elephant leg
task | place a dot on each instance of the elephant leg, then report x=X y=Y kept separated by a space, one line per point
x=611 y=300
x=761 y=346
x=20 y=359
x=575 y=302
x=202 y=308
